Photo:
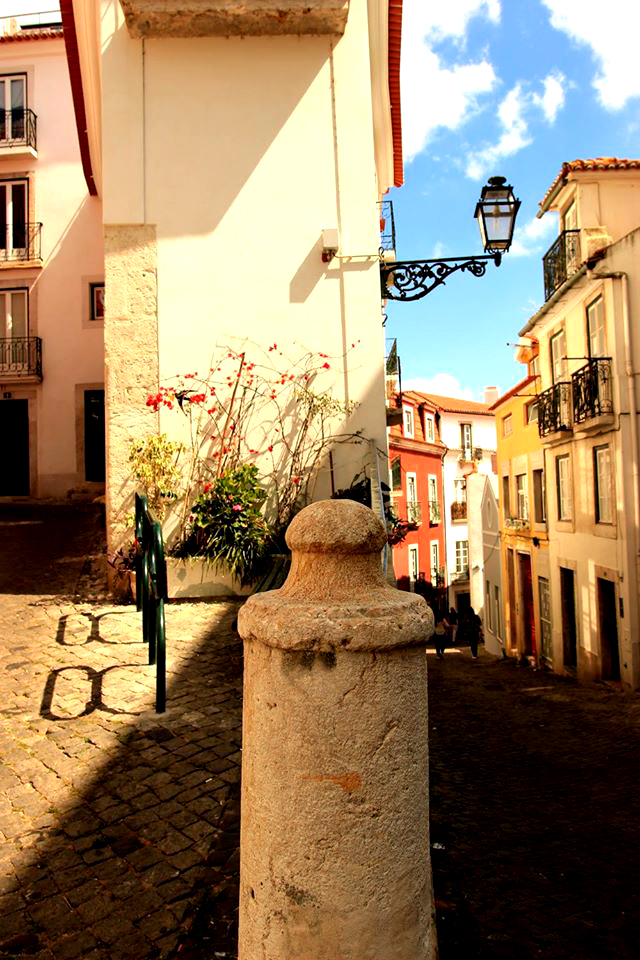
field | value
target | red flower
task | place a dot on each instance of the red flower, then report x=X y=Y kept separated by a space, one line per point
x=207 y=487
x=270 y=449
x=326 y=366
x=237 y=507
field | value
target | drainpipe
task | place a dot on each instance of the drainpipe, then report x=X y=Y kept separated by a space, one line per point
x=631 y=400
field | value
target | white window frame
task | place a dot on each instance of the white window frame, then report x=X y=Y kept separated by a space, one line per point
x=558 y=351
x=462 y=555
x=414 y=562
x=7 y=107
x=6 y=314
x=466 y=432
x=408 y=424
x=540 y=496
x=496 y=590
x=564 y=493
x=434 y=551
x=596 y=333
x=413 y=508
x=429 y=428
x=6 y=242
x=530 y=408
x=522 y=496
x=603 y=484
x=507 y=425
x=544 y=599
x=460 y=490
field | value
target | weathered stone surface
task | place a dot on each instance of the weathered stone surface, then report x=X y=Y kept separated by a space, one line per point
x=211 y=18
x=334 y=858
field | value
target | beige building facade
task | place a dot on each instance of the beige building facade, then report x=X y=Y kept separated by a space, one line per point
x=240 y=151
x=588 y=418
x=51 y=277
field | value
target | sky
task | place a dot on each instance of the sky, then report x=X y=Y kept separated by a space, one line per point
x=507 y=88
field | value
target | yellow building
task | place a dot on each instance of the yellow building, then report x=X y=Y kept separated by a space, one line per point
x=523 y=518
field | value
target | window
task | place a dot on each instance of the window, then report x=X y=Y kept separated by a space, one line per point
x=462 y=556
x=595 y=328
x=13 y=219
x=498 y=613
x=13 y=314
x=465 y=440
x=429 y=429
x=13 y=100
x=489 y=608
x=558 y=357
x=407 y=413
x=435 y=560
x=507 y=425
x=506 y=498
x=522 y=495
x=602 y=482
x=434 y=506
x=534 y=367
x=460 y=490
x=413 y=507
x=96 y=301
x=570 y=217
x=563 y=488
x=539 y=497
x=413 y=562
x=545 y=616
x=531 y=411
x=396 y=474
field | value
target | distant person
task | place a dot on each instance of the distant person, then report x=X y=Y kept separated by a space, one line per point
x=440 y=633
x=453 y=625
x=474 y=628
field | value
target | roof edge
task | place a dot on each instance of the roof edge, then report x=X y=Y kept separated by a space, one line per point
x=77 y=93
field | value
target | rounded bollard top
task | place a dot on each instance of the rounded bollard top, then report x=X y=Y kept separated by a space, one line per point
x=336 y=526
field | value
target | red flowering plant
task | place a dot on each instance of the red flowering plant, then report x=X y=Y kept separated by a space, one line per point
x=272 y=411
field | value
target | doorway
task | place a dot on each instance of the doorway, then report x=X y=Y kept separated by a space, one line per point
x=526 y=593
x=568 y=602
x=608 y=623
x=14 y=429
x=511 y=578
x=94 y=458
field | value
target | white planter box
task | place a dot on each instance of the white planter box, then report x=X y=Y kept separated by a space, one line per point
x=198 y=578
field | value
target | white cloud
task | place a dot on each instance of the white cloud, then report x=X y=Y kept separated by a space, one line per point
x=612 y=34
x=513 y=114
x=435 y=94
x=444 y=384
x=532 y=237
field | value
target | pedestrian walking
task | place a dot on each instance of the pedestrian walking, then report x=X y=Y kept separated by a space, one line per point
x=453 y=625
x=440 y=633
x=474 y=632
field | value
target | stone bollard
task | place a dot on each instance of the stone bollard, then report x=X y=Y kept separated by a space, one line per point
x=334 y=848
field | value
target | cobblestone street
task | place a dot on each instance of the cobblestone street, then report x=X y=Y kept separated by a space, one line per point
x=113 y=819
x=119 y=827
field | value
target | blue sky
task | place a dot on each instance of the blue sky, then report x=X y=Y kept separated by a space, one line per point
x=498 y=87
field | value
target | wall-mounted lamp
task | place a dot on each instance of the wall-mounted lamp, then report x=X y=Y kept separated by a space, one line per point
x=496 y=215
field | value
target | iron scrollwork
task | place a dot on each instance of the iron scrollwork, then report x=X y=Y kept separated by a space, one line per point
x=413 y=279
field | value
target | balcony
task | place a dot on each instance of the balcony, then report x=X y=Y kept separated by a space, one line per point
x=20 y=359
x=459 y=510
x=516 y=523
x=20 y=241
x=561 y=261
x=226 y=18
x=591 y=388
x=458 y=576
x=18 y=133
x=434 y=512
x=414 y=513
x=554 y=409
x=387 y=230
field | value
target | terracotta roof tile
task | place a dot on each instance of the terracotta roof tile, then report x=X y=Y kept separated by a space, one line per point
x=394 y=43
x=454 y=404
x=513 y=391
x=595 y=163
x=44 y=33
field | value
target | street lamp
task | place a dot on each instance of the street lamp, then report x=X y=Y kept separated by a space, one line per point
x=496 y=215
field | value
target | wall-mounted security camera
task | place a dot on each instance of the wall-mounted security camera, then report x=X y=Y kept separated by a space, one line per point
x=329 y=244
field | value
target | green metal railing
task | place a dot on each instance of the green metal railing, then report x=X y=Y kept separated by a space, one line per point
x=151 y=592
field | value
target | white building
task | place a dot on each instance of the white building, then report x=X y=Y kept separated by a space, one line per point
x=485 y=574
x=468 y=431
x=51 y=277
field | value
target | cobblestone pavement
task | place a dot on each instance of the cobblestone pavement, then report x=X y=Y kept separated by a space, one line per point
x=113 y=819
x=535 y=813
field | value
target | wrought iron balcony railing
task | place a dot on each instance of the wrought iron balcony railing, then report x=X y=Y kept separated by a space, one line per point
x=387 y=227
x=20 y=241
x=554 y=409
x=20 y=357
x=18 y=128
x=591 y=388
x=434 y=511
x=414 y=512
x=459 y=574
x=561 y=260
x=516 y=523
x=459 y=510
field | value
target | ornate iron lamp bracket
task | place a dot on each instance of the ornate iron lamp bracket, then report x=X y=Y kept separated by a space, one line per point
x=414 y=279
